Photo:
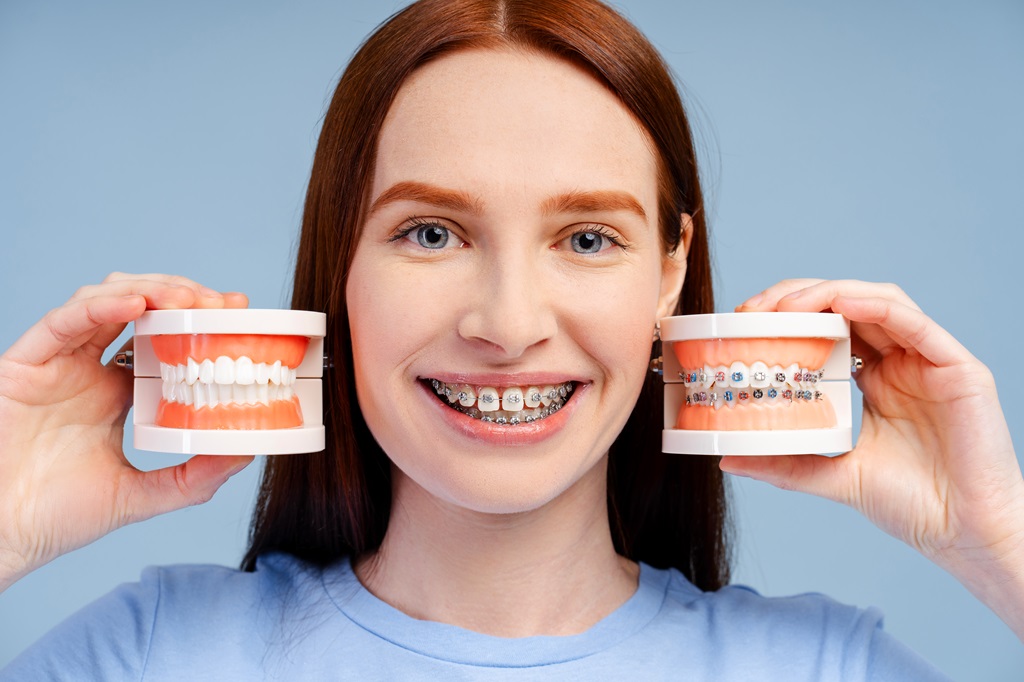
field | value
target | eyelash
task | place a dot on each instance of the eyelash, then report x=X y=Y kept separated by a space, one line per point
x=415 y=222
x=604 y=232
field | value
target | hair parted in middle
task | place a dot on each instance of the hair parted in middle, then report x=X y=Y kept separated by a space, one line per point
x=665 y=510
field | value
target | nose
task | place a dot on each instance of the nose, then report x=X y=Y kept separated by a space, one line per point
x=511 y=310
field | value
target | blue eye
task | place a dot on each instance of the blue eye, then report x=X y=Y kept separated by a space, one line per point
x=432 y=236
x=589 y=242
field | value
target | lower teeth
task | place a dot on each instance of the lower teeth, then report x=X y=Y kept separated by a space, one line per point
x=504 y=417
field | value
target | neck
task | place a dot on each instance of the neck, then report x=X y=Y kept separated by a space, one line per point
x=548 y=571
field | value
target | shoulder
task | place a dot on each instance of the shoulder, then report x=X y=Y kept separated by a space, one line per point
x=804 y=636
x=141 y=630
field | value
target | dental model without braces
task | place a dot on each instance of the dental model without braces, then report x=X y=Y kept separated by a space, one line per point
x=512 y=405
x=229 y=381
x=757 y=384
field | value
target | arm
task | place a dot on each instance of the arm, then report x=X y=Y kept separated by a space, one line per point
x=934 y=464
x=64 y=479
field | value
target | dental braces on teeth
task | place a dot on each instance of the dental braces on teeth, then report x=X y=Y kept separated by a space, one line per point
x=740 y=384
x=512 y=405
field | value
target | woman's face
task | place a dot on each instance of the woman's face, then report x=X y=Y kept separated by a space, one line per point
x=511 y=248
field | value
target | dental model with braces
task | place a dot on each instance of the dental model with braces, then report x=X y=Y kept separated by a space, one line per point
x=756 y=383
x=739 y=384
x=229 y=381
x=511 y=405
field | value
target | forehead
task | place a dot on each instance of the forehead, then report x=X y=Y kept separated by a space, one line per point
x=509 y=120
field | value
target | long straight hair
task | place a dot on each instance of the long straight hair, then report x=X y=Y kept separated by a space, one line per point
x=666 y=510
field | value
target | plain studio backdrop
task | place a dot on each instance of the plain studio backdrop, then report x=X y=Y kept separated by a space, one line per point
x=874 y=140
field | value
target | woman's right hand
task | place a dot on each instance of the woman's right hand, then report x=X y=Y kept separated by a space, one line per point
x=64 y=479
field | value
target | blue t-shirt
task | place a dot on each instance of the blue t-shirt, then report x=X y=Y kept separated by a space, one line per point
x=289 y=620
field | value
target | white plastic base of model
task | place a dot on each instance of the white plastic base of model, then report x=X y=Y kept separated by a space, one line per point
x=796 y=442
x=306 y=438
x=224 y=442
x=835 y=385
x=308 y=387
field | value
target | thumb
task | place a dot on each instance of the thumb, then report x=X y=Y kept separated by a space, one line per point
x=187 y=484
x=814 y=474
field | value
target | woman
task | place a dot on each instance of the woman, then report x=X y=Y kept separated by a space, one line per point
x=526 y=209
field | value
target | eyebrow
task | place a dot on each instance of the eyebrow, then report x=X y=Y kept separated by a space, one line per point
x=574 y=201
x=578 y=201
x=424 y=193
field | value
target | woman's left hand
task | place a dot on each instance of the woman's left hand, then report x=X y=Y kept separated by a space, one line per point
x=934 y=464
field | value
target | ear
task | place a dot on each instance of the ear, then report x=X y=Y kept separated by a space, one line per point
x=673 y=270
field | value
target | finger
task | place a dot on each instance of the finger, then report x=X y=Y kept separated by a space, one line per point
x=819 y=296
x=160 y=294
x=150 y=493
x=767 y=299
x=907 y=326
x=827 y=477
x=177 y=280
x=235 y=299
x=205 y=296
x=66 y=328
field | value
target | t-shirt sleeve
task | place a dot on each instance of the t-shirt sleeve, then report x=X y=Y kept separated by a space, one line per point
x=107 y=640
x=886 y=658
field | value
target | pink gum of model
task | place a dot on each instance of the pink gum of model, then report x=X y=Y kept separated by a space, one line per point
x=809 y=353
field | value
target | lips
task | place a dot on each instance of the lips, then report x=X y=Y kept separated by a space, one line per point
x=229 y=381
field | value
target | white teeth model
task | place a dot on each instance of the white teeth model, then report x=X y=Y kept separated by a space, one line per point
x=777 y=376
x=245 y=373
x=206 y=372
x=223 y=370
x=224 y=381
x=721 y=376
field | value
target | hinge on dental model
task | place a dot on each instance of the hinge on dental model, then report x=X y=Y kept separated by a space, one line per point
x=328 y=363
x=125 y=359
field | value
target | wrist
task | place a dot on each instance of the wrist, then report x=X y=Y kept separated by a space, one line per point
x=12 y=569
x=995 y=575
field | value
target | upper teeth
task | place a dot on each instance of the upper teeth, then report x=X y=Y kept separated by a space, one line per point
x=509 y=399
x=756 y=375
x=226 y=380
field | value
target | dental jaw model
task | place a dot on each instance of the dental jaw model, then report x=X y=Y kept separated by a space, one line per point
x=757 y=384
x=229 y=381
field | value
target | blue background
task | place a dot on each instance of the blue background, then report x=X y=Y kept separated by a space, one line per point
x=874 y=140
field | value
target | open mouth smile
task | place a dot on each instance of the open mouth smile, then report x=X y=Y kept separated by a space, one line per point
x=506 y=405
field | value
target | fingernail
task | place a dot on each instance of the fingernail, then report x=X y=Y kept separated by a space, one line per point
x=794 y=295
x=751 y=302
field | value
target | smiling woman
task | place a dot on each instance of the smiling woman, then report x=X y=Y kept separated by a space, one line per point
x=550 y=145
x=504 y=202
